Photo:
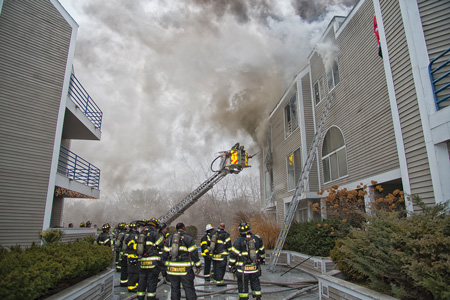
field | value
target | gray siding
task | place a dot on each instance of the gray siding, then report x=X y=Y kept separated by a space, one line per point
x=411 y=125
x=436 y=27
x=361 y=108
x=309 y=129
x=282 y=148
x=34 y=43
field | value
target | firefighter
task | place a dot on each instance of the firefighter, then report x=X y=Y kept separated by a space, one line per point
x=180 y=256
x=149 y=246
x=124 y=257
x=133 y=262
x=82 y=225
x=205 y=243
x=220 y=249
x=246 y=256
x=118 y=239
x=165 y=233
x=104 y=238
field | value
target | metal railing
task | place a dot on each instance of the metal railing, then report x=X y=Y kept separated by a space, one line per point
x=434 y=82
x=78 y=169
x=84 y=102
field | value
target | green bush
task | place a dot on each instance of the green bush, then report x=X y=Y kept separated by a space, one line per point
x=316 y=237
x=192 y=231
x=30 y=273
x=404 y=257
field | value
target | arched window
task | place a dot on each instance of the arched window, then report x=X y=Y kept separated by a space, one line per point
x=334 y=156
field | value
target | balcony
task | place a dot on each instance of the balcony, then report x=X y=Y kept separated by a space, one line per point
x=440 y=79
x=81 y=176
x=83 y=118
x=84 y=102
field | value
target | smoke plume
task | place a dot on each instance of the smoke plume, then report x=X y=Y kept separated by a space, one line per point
x=180 y=79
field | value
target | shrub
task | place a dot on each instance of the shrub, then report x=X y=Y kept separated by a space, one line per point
x=51 y=236
x=404 y=257
x=316 y=237
x=192 y=231
x=32 y=272
x=260 y=224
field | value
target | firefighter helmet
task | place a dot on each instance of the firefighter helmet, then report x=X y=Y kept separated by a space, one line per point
x=106 y=226
x=133 y=225
x=162 y=226
x=244 y=228
x=153 y=222
x=208 y=227
x=121 y=225
x=142 y=222
x=82 y=224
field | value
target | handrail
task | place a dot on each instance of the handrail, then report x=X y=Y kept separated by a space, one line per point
x=434 y=81
x=78 y=169
x=84 y=102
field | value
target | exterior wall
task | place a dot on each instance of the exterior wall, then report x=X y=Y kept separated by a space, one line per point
x=411 y=127
x=32 y=72
x=361 y=107
x=436 y=28
x=284 y=146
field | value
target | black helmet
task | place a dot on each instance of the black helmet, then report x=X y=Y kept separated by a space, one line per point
x=244 y=228
x=133 y=225
x=162 y=226
x=142 y=222
x=106 y=226
x=121 y=225
x=153 y=222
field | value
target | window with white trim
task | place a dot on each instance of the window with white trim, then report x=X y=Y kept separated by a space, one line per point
x=334 y=157
x=318 y=90
x=293 y=169
x=333 y=76
x=290 y=116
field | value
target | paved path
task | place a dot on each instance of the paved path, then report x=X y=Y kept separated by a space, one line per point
x=229 y=292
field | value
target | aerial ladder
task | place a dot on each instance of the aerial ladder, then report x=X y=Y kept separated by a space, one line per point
x=303 y=181
x=231 y=162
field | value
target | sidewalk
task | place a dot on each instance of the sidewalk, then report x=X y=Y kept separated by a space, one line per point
x=229 y=292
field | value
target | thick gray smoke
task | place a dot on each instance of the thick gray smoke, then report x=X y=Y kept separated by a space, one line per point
x=178 y=80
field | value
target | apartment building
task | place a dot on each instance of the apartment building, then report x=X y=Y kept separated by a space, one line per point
x=43 y=107
x=389 y=119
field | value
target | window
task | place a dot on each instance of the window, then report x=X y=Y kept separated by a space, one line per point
x=268 y=182
x=334 y=157
x=290 y=116
x=293 y=169
x=318 y=90
x=333 y=76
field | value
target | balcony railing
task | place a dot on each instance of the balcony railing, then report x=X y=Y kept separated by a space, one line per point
x=84 y=102
x=440 y=85
x=78 y=169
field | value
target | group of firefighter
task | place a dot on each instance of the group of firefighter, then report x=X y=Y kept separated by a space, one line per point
x=144 y=249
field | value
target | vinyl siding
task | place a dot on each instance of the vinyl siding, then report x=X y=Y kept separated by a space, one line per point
x=436 y=27
x=282 y=148
x=309 y=129
x=411 y=126
x=361 y=108
x=34 y=43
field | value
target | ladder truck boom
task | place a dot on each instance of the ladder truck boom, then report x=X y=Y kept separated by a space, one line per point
x=232 y=162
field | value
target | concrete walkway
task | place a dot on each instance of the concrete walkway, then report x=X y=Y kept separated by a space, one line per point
x=270 y=291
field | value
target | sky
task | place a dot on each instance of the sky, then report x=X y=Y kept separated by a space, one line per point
x=179 y=81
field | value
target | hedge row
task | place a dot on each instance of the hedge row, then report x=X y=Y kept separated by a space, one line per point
x=408 y=258
x=30 y=273
x=316 y=237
